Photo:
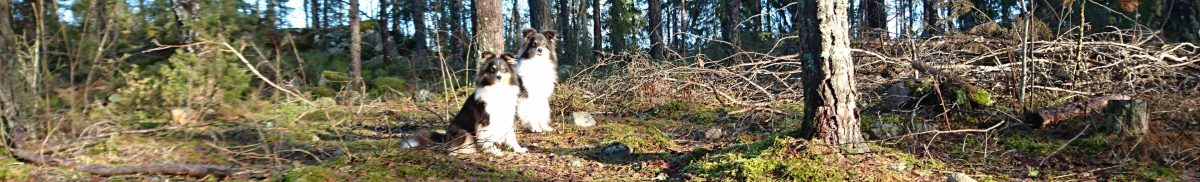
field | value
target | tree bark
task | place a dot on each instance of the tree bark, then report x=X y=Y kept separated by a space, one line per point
x=730 y=24
x=6 y=34
x=539 y=15
x=656 y=38
x=315 y=10
x=457 y=34
x=874 y=14
x=185 y=16
x=1051 y=115
x=830 y=112
x=597 y=39
x=488 y=26
x=931 y=18
x=382 y=30
x=419 y=22
x=355 y=48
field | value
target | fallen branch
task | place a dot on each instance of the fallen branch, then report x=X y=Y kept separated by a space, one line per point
x=1049 y=116
x=193 y=170
x=976 y=94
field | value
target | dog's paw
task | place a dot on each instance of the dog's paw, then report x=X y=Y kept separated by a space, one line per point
x=520 y=150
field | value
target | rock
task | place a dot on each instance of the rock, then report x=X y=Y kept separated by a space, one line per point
x=423 y=95
x=713 y=134
x=583 y=119
x=575 y=163
x=896 y=95
x=616 y=151
x=959 y=177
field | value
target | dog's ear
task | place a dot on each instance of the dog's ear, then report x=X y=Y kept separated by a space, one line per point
x=550 y=34
x=486 y=55
x=527 y=31
x=509 y=58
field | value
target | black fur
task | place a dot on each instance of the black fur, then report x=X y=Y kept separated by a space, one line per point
x=463 y=127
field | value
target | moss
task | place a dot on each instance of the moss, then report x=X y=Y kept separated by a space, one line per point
x=320 y=91
x=640 y=138
x=1158 y=173
x=310 y=173
x=686 y=110
x=389 y=86
x=982 y=97
x=780 y=158
x=1093 y=145
x=13 y=170
x=1029 y=146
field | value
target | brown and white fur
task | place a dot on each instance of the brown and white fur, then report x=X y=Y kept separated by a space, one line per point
x=537 y=67
x=487 y=118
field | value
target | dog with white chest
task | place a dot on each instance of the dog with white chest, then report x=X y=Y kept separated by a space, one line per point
x=537 y=67
x=487 y=117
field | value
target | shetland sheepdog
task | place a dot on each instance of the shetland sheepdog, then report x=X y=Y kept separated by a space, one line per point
x=537 y=67
x=487 y=118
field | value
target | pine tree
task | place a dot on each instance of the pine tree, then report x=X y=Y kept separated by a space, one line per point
x=655 y=28
x=830 y=112
x=355 y=48
x=539 y=15
x=488 y=26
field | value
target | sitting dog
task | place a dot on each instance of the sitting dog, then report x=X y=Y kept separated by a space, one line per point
x=488 y=116
x=536 y=66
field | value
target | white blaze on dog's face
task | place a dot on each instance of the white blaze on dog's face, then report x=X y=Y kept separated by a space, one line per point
x=496 y=69
x=538 y=44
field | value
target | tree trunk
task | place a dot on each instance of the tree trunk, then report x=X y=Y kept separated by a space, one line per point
x=656 y=38
x=755 y=8
x=355 y=48
x=931 y=18
x=830 y=112
x=382 y=30
x=874 y=16
x=567 y=32
x=597 y=39
x=6 y=34
x=185 y=12
x=684 y=23
x=729 y=25
x=539 y=15
x=315 y=10
x=457 y=34
x=488 y=26
x=419 y=22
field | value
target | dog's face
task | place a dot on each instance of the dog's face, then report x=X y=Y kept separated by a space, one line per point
x=496 y=69
x=538 y=44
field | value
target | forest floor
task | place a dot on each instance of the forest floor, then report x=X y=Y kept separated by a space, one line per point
x=672 y=141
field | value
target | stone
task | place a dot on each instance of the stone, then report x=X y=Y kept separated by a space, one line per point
x=583 y=119
x=896 y=95
x=423 y=95
x=959 y=177
x=575 y=163
x=616 y=151
x=713 y=134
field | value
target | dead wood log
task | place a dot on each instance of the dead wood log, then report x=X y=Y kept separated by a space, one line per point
x=1049 y=116
x=193 y=170
x=973 y=93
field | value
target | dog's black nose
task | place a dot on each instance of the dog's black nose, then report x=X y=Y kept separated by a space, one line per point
x=499 y=77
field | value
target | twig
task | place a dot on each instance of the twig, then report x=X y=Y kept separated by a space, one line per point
x=264 y=78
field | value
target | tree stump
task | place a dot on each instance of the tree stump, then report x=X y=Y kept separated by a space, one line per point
x=1128 y=117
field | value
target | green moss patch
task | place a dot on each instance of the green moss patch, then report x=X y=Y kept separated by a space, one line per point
x=776 y=159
